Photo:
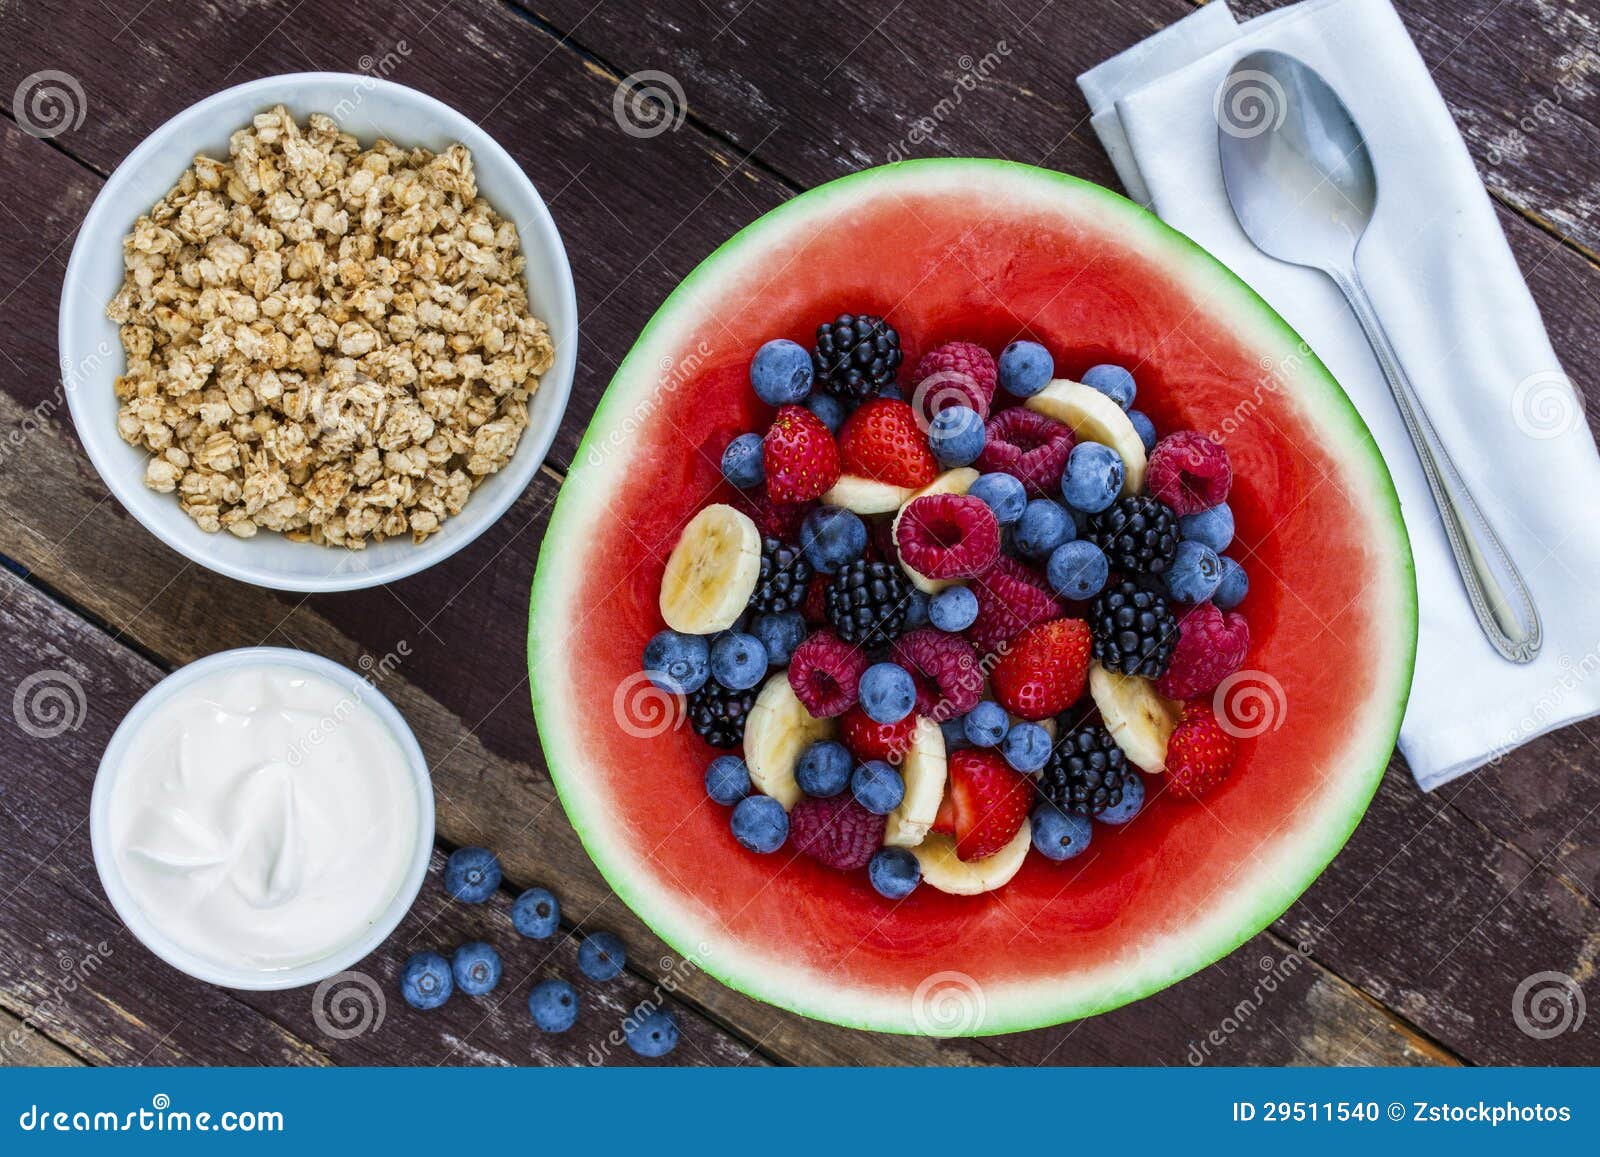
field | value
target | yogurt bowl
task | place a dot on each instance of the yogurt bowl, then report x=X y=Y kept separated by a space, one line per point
x=262 y=818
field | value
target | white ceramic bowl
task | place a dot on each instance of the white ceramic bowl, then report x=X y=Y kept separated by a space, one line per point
x=147 y=931
x=91 y=353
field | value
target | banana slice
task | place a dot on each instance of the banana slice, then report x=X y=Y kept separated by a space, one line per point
x=711 y=572
x=1140 y=720
x=924 y=771
x=1095 y=418
x=943 y=870
x=957 y=481
x=866 y=495
x=778 y=729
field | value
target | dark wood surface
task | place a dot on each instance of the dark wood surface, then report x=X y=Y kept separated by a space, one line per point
x=1414 y=940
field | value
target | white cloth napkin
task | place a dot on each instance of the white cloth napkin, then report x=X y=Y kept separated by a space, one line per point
x=1453 y=300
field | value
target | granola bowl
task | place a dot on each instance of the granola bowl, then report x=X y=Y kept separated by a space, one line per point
x=441 y=452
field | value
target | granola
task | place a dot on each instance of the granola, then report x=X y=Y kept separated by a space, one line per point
x=326 y=341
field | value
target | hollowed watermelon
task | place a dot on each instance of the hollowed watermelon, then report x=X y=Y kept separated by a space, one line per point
x=987 y=251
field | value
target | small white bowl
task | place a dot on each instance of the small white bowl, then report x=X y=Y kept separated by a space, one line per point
x=91 y=351
x=105 y=861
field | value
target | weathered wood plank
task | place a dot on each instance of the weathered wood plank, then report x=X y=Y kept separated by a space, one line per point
x=77 y=973
x=22 y=1044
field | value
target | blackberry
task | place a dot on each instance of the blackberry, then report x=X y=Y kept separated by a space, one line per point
x=718 y=714
x=867 y=603
x=1085 y=773
x=785 y=574
x=856 y=356
x=1134 y=630
x=1138 y=534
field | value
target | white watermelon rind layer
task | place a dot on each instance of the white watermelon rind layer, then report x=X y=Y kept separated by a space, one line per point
x=1270 y=880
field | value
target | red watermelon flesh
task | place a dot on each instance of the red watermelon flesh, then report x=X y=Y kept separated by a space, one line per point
x=984 y=251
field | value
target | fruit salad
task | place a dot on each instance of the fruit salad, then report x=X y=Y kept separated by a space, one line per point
x=950 y=617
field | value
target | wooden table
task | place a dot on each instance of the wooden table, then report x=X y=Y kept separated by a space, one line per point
x=1416 y=938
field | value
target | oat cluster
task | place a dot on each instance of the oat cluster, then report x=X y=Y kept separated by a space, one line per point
x=322 y=340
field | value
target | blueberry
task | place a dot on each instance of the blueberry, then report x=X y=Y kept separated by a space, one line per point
x=917 y=610
x=828 y=409
x=425 y=980
x=955 y=733
x=1077 y=570
x=1059 y=836
x=1003 y=494
x=781 y=373
x=888 y=693
x=1026 y=746
x=601 y=956
x=651 y=1034
x=1093 y=477
x=554 y=1005
x=680 y=664
x=472 y=874
x=877 y=787
x=894 y=872
x=738 y=660
x=1114 y=382
x=832 y=536
x=1132 y=801
x=956 y=436
x=741 y=462
x=760 y=823
x=891 y=390
x=953 y=609
x=1026 y=367
x=476 y=968
x=1232 y=587
x=727 y=780
x=780 y=633
x=1214 y=527
x=1144 y=427
x=986 y=724
x=823 y=769
x=1042 y=527
x=536 y=914
x=1194 y=572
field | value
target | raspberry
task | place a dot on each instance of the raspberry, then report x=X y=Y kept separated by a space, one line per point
x=1200 y=752
x=1011 y=598
x=948 y=536
x=868 y=739
x=945 y=669
x=1189 y=472
x=1030 y=447
x=837 y=832
x=1211 y=646
x=958 y=373
x=825 y=673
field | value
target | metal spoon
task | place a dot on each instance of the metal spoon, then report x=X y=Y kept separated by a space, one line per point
x=1303 y=187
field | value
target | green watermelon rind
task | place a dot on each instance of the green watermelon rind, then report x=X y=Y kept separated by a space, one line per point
x=1034 y=1004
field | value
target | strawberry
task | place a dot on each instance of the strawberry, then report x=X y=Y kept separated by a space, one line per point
x=984 y=804
x=882 y=440
x=868 y=739
x=800 y=456
x=1199 y=753
x=1043 y=672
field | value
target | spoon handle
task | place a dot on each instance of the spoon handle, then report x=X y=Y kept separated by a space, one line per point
x=1499 y=597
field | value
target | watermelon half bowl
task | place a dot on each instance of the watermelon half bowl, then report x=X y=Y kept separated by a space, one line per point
x=986 y=251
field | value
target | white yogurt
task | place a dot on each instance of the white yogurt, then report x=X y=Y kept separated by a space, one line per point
x=263 y=817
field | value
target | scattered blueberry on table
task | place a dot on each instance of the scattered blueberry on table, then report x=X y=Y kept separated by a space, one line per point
x=471 y=875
